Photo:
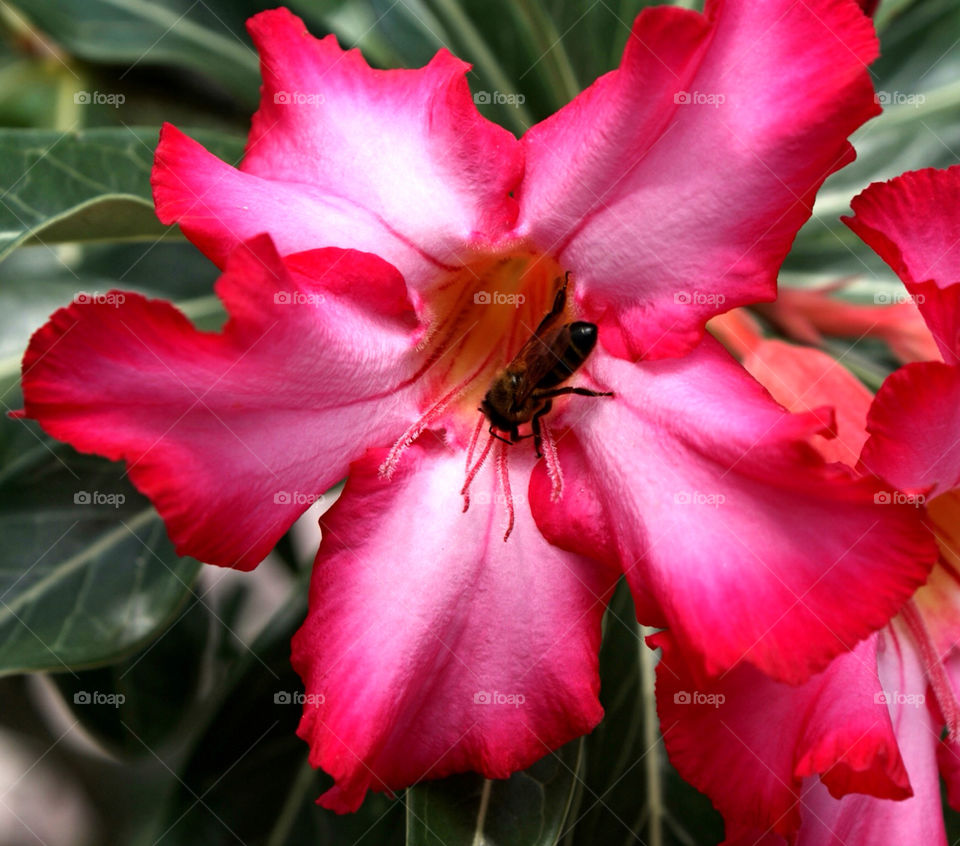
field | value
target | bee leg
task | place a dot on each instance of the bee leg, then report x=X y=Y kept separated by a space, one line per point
x=580 y=392
x=535 y=424
x=499 y=437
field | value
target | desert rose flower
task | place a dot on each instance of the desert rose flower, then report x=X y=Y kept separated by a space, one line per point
x=870 y=726
x=386 y=251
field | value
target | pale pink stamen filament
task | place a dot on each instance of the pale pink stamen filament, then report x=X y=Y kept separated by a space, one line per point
x=472 y=473
x=473 y=441
x=503 y=477
x=936 y=673
x=417 y=429
x=553 y=462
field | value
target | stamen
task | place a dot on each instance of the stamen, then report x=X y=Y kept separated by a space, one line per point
x=417 y=429
x=473 y=441
x=936 y=673
x=553 y=462
x=503 y=477
x=472 y=473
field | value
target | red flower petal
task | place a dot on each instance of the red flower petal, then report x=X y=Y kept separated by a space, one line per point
x=914 y=427
x=398 y=162
x=672 y=205
x=425 y=625
x=749 y=742
x=913 y=224
x=232 y=434
x=732 y=531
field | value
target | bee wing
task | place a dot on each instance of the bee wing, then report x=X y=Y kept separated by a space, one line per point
x=538 y=356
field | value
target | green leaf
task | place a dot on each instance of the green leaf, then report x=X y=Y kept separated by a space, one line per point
x=87 y=573
x=248 y=773
x=630 y=792
x=178 y=33
x=140 y=704
x=92 y=185
x=527 y=809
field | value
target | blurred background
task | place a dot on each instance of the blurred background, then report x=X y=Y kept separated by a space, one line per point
x=147 y=700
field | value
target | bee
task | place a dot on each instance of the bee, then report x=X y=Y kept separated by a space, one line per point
x=523 y=391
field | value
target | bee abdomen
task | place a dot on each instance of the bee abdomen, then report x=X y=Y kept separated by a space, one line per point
x=581 y=338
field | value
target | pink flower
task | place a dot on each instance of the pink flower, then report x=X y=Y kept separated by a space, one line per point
x=670 y=190
x=870 y=725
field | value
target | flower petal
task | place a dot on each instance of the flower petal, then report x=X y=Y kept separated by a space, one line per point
x=805 y=380
x=233 y=435
x=766 y=737
x=399 y=162
x=674 y=186
x=732 y=531
x=219 y=207
x=914 y=427
x=422 y=620
x=868 y=821
x=913 y=225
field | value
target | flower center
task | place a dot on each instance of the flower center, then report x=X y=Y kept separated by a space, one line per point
x=479 y=317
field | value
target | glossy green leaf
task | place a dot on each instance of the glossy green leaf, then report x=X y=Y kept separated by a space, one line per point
x=630 y=793
x=204 y=38
x=87 y=573
x=140 y=704
x=527 y=809
x=92 y=185
x=247 y=771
